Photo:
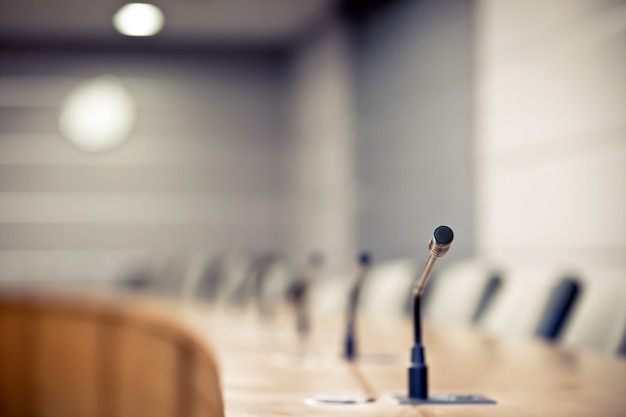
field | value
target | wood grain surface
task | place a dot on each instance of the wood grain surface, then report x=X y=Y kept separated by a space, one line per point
x=266 y=370
x=81 y=355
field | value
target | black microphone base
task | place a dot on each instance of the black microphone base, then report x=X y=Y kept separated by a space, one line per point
x=418 y=373
x=340 y=399
x=418 y=386
x=443 y=399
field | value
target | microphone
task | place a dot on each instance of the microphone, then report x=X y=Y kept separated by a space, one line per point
x=363 y=263
x=418 y=371
x=438 y=246
x=299 y=294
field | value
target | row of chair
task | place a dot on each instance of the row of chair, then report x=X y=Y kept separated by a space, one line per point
x=233 y=279
x=518 y=301
x=542 y=301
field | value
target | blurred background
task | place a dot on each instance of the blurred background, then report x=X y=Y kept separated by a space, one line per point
x=140 y=144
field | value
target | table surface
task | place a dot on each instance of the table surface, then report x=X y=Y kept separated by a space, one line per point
x=267 y=371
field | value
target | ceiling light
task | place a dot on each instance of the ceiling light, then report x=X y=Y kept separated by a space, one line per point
x=98 y=115
x=138 y=19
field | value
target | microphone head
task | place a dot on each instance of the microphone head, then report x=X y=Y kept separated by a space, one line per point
x=441 y=240
x=365 y=258
x=443 y=235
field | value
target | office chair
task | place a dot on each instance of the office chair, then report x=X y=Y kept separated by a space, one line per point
x=386 y=288
x=599 y=321
x=329 y=294
x=272 y=281
x=463 y=292
x=558 y=308
x=534 y=301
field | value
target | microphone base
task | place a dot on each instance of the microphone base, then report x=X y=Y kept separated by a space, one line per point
x=381 y=359
x=339 y=399
x=443 y=399
x=418 y=373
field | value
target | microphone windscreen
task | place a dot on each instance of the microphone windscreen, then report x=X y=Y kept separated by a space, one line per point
x=443 y=235
x=365 y=258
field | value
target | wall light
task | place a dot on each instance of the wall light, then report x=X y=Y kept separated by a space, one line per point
x=138 y=19
x=98 y=115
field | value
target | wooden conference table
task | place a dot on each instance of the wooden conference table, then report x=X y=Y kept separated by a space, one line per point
x=265 y=371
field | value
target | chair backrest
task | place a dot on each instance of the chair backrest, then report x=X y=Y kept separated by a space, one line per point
x=561 y=302
x=236 y=277
x=463 y=292
x=197 y=265
x=273 y=285
x=617 y=342
x=170 y=275
x=599 y=321
x=138 y=278
x=163 y=277
x=86 y=357
x=387 y=288
x=210 y=279
x=329 y=294
x=525 y=300
x=490 y=291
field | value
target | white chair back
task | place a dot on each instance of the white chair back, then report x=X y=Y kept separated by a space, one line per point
x=599 y=321
x=518 y=309
x=387 y=288
x=235 y=271
x=276 y=283
x=458 y=290
x=329 y=294
x=196 y=265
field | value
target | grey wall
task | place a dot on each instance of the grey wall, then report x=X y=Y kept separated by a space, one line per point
x=322 y=149
x=414 y=95
x=203 y=168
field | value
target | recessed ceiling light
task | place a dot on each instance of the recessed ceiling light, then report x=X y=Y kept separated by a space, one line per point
x=138 y=19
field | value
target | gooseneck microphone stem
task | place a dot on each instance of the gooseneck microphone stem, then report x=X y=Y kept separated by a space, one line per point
x=418 y=371
x=428 y=270
x=417 y=297
x=350 y=345
x=417 y=320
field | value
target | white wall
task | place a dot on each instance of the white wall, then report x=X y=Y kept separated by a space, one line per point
x=551 y=133
x=322 y=150
x=204 y=168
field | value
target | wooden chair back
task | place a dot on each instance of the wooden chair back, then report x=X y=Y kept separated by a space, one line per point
x=64 y=356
